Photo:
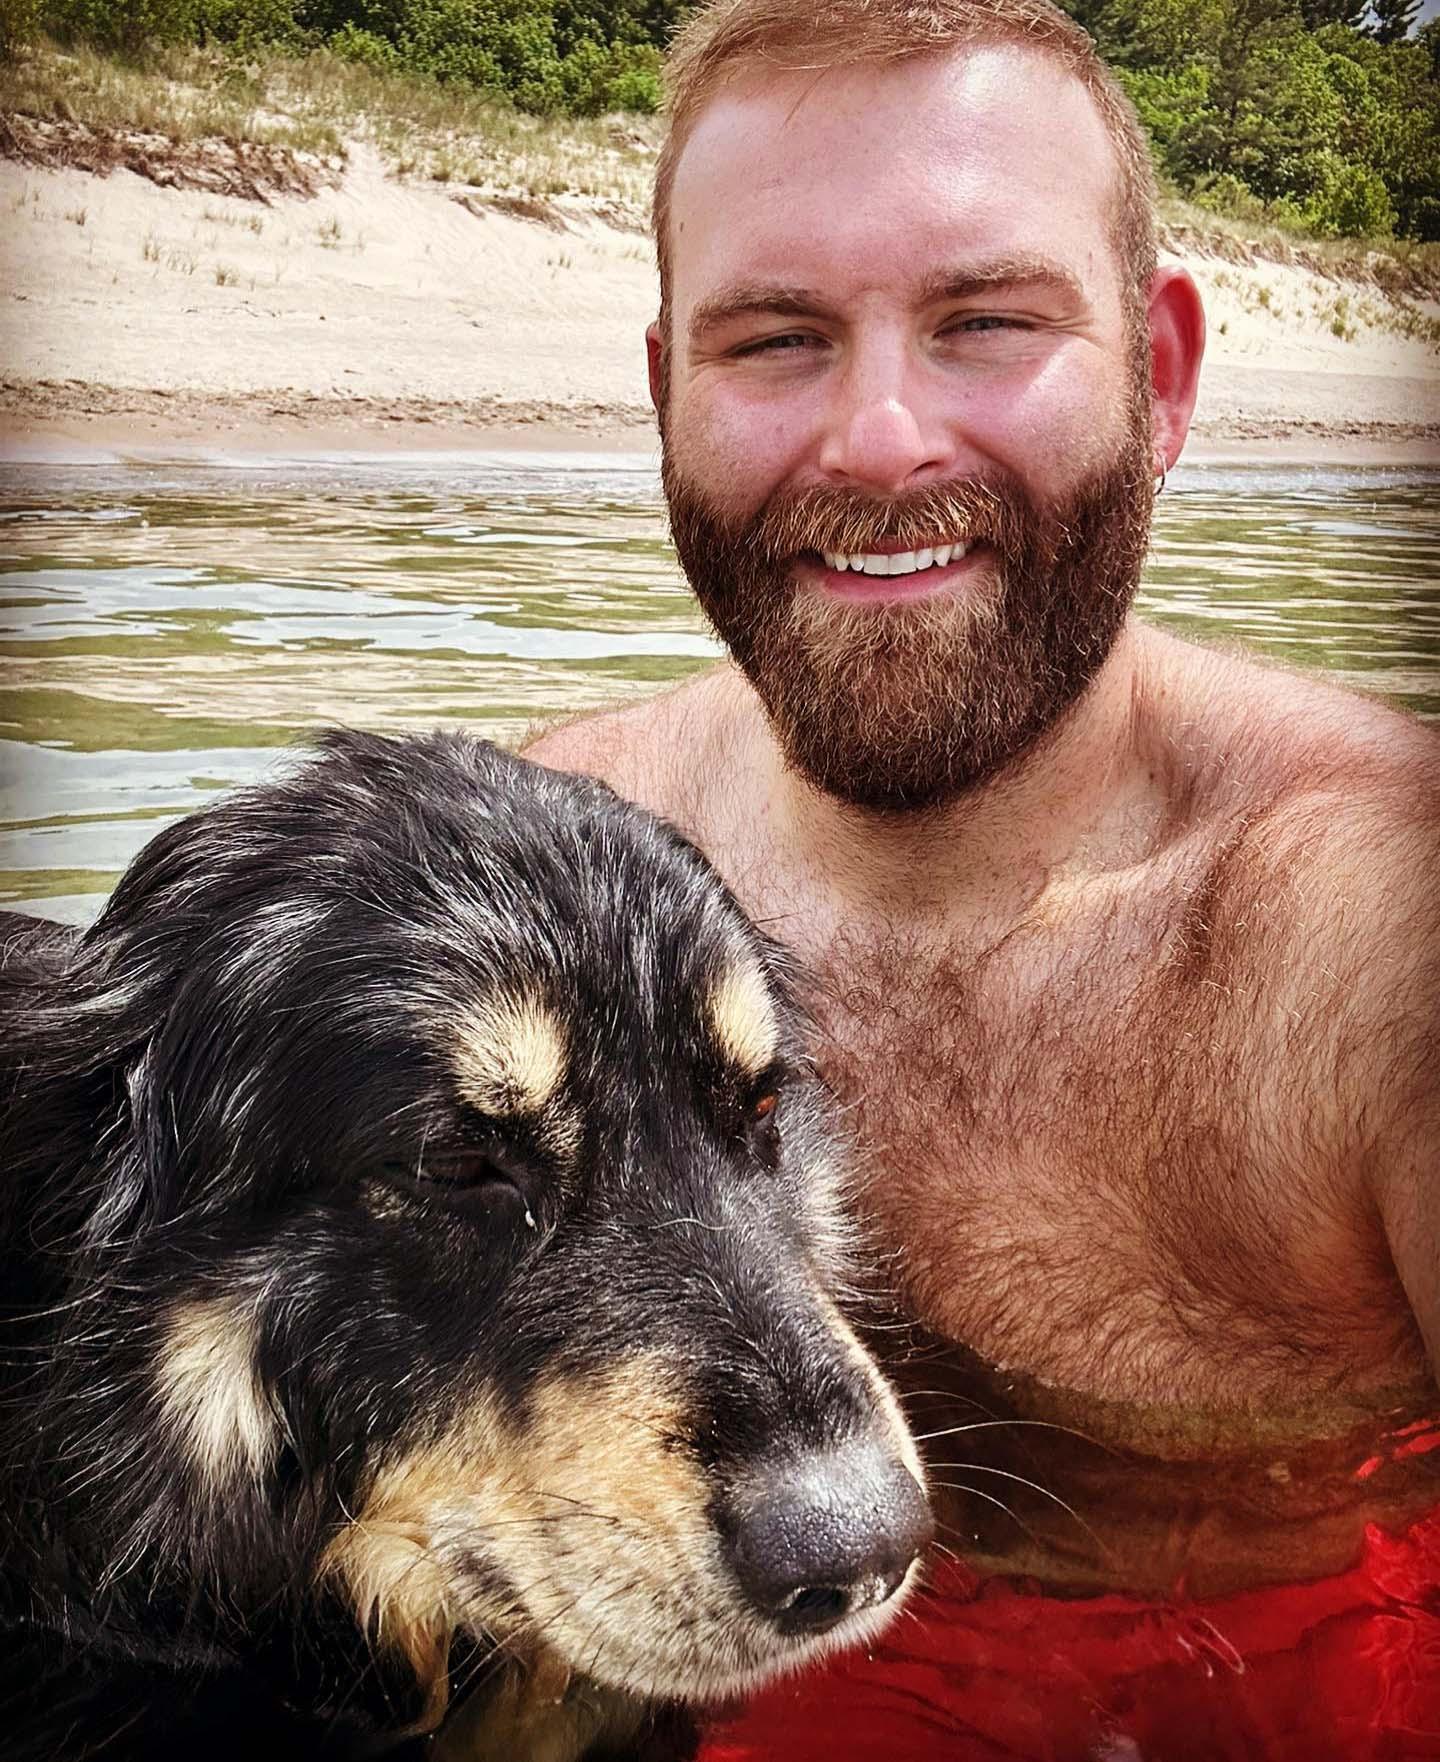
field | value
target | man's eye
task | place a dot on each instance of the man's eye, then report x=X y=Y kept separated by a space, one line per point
x=978 y=321
x=786 y=342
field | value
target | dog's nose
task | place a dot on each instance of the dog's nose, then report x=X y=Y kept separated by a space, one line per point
x=826 y=1536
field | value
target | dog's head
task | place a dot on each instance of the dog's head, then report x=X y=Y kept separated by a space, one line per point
x=446 y=1222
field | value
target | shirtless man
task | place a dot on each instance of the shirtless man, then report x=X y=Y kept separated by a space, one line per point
x=1127 y=951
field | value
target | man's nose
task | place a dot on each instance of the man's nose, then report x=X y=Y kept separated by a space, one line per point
x=883 y=432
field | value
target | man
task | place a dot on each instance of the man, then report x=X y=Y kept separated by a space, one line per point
x=1125 y=951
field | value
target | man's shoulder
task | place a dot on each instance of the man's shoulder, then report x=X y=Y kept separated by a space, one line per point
x=1318 y=813
x=1249 y=739
x=640 y=749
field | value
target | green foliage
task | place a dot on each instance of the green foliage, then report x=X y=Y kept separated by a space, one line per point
x=1313 y=113
x=1393 y=19
x=576 y=57
x=250 y=25
x=1317 y=13
x=1428 y=39
x=129 y=26
x=625 y=76
x=1222 y=193
x=636 y=89
x=1309 y=113
x=19 y=23
x=352 y=43
x=1348 y=201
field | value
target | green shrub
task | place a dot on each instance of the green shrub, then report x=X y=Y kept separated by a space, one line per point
x=1224 y=193
x=624 y=76
x=19 y=24
x=130 y=26
x=637 y=90
x=501 y=44
x=1350 y=201
x=351 y=43
x=248 y=25
x=1423 y=220
x=1169 y=105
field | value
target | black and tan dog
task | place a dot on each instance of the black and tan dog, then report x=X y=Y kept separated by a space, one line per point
x=419 y=1233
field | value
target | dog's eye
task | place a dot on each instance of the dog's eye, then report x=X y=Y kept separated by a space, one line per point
x=473 y=1179
x=462 y=1168
x=762 y=1112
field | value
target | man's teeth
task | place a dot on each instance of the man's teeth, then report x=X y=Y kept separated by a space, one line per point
x=902 y=563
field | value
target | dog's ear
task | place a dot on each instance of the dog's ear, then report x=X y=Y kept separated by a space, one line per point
x=83 y=1129
x=167 y=1039
x=118 y=1051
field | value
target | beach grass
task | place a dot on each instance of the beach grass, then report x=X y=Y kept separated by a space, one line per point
x=317 y=103
x=455 y=135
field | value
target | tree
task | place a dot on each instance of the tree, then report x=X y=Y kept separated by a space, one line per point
x=1322 y=12
x=1393 y=19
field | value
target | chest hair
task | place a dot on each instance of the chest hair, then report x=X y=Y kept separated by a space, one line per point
x=1091 y=1156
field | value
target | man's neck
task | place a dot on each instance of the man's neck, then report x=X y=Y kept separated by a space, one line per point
x=1079 y=802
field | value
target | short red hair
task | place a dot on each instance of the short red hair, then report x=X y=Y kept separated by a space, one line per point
x=730 y=38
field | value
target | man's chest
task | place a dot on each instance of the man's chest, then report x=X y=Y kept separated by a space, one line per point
x=1092 y=1174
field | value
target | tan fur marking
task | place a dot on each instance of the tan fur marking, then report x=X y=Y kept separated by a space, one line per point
x=213 y=1393
x=510 y=1056
x=743 y=1017
x=594 y=1514
x=585 y=1509
x=389 y=1559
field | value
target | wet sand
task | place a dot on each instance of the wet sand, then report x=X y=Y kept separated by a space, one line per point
x=80 y=425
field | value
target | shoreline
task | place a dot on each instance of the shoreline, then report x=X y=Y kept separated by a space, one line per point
x=74 y=424
x=384 y=317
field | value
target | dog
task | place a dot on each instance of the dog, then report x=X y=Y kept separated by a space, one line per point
x=421 y=1230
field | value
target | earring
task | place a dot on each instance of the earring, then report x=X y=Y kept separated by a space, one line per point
x=1159 y=473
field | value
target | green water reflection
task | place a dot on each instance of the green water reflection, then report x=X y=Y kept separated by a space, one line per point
x=164 y=631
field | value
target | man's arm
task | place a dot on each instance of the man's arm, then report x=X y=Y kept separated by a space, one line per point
x=592 y=745
x=1336 y=928
x=1405 y=1165
x=1389 y=880
x=656 y=752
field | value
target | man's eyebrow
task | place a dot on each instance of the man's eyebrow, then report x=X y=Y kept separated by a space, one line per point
x=1019 y=274
x=754 y=300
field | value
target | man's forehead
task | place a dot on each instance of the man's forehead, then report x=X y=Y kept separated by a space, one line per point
x=964 y=133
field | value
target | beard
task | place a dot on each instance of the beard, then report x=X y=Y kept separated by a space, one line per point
x=907 y=706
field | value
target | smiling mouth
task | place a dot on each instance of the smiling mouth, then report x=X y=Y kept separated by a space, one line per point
x=896 y=563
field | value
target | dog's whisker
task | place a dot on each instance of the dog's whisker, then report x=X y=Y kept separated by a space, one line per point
x=981 y=1425
x=1035 y=1486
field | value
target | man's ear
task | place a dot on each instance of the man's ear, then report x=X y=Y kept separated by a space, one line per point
x=655 y=360
x=1177 y=346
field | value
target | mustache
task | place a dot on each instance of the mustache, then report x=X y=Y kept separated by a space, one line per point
x=824 y=517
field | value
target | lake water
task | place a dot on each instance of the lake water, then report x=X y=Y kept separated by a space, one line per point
x=165 y=629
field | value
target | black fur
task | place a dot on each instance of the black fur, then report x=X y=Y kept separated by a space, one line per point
x=235 y=1098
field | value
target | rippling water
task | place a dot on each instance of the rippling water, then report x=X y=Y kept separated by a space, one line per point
x=165 y=629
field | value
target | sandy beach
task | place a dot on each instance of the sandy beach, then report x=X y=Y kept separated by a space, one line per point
x=380 y=314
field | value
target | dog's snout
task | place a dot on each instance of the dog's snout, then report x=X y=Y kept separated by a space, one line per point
x=827 y=1536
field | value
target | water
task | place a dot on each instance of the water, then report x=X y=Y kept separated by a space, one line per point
x=166 y=629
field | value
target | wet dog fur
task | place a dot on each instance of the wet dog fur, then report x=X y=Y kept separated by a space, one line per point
x=419 y=1227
